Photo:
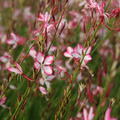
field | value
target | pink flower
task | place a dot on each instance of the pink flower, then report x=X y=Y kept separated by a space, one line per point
x=44 y=17
x=69 y=52
x=17 y=69
x=83 y=54
x=80 y=53
x=43 y=90
x=15 y=40
x=88 y=116
x=108 y=116
x=47 y=25
x=44 y=63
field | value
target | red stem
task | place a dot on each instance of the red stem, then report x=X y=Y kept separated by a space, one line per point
x=26 y=77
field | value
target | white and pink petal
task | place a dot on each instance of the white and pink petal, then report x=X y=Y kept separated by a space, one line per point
x=19 y=67
x=37 y=65
x=15 y=70
x=43 y=90
x=33 y=52
x=49 y=60
x=48 y=70
x=40 y=57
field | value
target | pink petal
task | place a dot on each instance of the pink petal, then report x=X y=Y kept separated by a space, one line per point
x=107 y=114
x=66 y=54
x=2 y=100
x=32 y=52
x=11 y=41
x=48 y=60
x=85 y=114
x=69 y=49
x=37 y=65
x=40 y=57
x=48 y=70
x=91 y=115
x=13 y=35
x=19 y=67
x=15 y=70
x=87 y=58
x=43 y=90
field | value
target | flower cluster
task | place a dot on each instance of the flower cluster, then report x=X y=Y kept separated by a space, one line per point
x=79 y=53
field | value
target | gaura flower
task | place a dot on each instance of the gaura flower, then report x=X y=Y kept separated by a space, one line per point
x=44 y=63
x=80 y=53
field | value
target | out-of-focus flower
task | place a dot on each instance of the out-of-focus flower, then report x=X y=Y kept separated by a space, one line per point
x=15 y=40
x=2 y=100
x=44 y=18
x=80 y=53
x=108 y=115
x=88 y=115
x=46 y=80
x=5 y=58
x=27 y=14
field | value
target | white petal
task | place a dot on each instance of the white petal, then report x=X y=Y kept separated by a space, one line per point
x=40 y=57
x=48 y=60
x=19 y=67
x=48 y=70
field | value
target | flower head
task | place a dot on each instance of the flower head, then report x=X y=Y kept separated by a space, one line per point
x=43 y=63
